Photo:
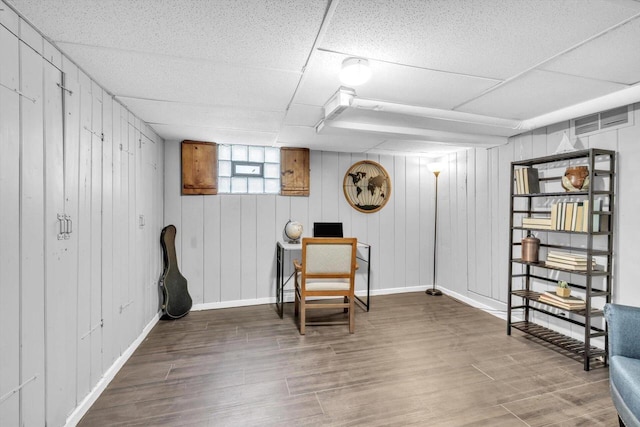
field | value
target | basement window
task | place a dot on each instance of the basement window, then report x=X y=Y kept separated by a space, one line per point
x=246 y=169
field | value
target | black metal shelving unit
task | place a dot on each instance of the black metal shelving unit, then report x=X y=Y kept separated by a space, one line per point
x=524 y=295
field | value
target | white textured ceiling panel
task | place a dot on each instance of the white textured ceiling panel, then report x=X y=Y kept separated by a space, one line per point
x=490 y=38
x=538 y=92
x=153 y=76
x=174 y=113
x=391 y=82
x=304 y=115
x=275 y=34
x=614 y=56
x=220 y=136
x=260 y=71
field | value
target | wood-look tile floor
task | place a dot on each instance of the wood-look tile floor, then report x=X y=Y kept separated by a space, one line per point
x=413 y=360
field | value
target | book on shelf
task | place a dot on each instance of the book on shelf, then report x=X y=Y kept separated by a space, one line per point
x=562 y=210
x=574 y=217
x=568 y=216
x=579 y=217
x=597 y=205
x=554 y=216
x=541 y=223
x=527 y=180
x=545 y=299
x=519 y=181
x=568 y=266
x=531 y=181
x=600 y=221
x=585 y=215
x=537 y=220
x=537 y=226
x=566 y=262
x=565 y=300
x=571 y=216
x=567 y=256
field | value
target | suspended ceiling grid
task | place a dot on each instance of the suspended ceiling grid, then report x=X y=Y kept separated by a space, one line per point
x=259 y=72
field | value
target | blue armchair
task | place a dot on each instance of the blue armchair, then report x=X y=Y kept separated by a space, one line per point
x=624 y=361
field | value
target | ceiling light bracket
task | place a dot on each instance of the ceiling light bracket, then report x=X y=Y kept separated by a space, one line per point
x=338 y=102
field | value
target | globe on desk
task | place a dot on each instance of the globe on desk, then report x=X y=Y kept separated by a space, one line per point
x=292 y=232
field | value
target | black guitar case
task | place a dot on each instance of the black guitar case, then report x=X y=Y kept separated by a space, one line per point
x=176 y=299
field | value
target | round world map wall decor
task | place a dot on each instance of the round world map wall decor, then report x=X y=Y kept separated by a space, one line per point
x=367 y=186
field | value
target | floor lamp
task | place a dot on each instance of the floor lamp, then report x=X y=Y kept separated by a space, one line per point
x=435 y=167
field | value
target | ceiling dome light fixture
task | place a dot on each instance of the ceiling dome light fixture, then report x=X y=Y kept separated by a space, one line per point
x=355 y=71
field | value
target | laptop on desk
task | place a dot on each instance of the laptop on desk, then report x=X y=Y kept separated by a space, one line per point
x=327 y=229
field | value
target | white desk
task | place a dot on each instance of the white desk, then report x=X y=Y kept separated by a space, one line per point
x=282 y=247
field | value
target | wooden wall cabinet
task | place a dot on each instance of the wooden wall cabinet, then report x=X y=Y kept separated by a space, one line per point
x=294 y=171
x=199 y=168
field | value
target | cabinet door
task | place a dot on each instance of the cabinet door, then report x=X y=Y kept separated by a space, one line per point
x=199 y=168
x=294 y=171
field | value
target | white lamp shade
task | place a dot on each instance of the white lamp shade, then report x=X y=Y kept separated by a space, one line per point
x=355 y=71
x=435 y=166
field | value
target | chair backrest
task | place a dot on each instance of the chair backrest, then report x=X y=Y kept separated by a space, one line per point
x=325 y=257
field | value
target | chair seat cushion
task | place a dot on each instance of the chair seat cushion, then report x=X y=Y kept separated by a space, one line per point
x=327 y=284
x=625 y=377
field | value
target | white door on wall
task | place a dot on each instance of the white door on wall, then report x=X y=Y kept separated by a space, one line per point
x=60 y=159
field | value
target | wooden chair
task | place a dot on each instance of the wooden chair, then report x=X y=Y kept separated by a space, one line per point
x=327 y=270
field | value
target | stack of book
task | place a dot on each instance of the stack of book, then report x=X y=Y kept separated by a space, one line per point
x=539 y=223
x=568 y=261
x=574 y=216
x=527 y=181
x=567 y=303
x=570 y=216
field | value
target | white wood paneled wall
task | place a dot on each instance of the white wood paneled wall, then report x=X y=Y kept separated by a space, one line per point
x=69 y=308
x=226 y=243
x=475 y=265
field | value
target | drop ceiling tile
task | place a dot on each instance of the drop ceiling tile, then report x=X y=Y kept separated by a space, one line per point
x=304 y=115
x=490 y=38
x=612 y=57
x=200 y=82
x=536 y=93
x=263 y=33
x=175 y=113
x=390 y=82
x=225 y=136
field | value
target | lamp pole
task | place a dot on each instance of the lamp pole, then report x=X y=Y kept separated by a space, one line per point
x=433 y=291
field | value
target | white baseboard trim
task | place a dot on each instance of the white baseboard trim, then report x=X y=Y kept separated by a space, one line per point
x=475 y=303
x=231 y=304
x=289 y=298
x=74 y=418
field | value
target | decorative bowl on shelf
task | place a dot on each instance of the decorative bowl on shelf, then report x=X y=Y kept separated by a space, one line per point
x=576 y=178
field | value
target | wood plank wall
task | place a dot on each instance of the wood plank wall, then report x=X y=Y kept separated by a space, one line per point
x=69 y=308
x=475 y=265
x=226 y=243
